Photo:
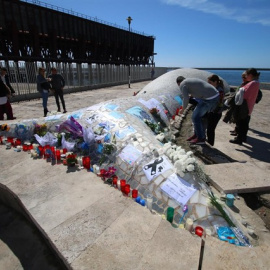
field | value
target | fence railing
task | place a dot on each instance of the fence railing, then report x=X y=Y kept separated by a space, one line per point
x=78 y=77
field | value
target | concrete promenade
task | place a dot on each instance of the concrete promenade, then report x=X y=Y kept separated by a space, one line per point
x=90 y=225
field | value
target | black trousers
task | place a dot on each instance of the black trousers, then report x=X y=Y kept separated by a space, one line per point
x=212 y=119
x=59 y=94
x=242 y=129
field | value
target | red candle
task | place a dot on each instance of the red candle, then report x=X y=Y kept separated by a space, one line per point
x=18 y=142
x=127 y=189
x=134 y=193
x=57 y=155
x=114 y=179
x=199 y=231
x=25 y=147
x=122 y=185
x=41 y=151
x=86 y=162
x=64 y=150
x=10 y=139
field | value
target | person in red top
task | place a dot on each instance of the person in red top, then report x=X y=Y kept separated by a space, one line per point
x=251 y=90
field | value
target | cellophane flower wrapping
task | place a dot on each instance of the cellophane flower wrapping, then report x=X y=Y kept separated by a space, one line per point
x=48 y=139
x=72 y=126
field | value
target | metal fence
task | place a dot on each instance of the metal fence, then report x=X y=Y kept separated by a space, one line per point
x=78 y=77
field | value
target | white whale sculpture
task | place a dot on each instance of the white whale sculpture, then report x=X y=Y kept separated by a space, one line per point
x=162 y=169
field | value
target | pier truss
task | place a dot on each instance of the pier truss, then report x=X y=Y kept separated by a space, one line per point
x=31 y=32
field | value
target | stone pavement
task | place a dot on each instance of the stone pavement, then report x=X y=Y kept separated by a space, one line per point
x=91 y=225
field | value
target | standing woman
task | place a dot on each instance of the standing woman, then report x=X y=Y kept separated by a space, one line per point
x=214 y=116
x=251 y=90
x=43 y=88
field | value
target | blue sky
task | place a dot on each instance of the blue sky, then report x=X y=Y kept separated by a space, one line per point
x=192 y=33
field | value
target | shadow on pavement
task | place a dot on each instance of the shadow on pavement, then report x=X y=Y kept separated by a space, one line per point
x=25 y=243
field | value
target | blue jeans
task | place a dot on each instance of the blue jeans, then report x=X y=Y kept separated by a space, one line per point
x=200 y=110
x=45 y=96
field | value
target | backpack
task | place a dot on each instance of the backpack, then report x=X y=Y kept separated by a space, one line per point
x=259 y=96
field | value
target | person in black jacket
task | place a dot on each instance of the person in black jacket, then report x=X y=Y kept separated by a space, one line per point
x=5 y=79
x=43 y=87
x=6 y=91
x=58 y=84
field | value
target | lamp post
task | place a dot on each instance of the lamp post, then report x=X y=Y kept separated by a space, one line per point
x=129 y=19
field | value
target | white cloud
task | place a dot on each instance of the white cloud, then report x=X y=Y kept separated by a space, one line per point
x=240 y=11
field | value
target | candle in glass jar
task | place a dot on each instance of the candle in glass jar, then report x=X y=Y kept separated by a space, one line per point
x=114 y=178
x=57 y=155
x=122 y=185
x=134 y=193
x=149 y=200
x=127 y=189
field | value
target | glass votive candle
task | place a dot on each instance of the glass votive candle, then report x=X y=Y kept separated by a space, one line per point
x=25 y=147
x=142 y=202
x=86 y=162
x=8 y=145
x=18 y=142
x=58 y=155
x=199 y=231
x=122 y=185
x=10 y=139
x=41 y=150
x=134 y=193
x=170 y=214
x=189 y=224
x=127 y=189
x=149 y=200
x=64 y=150
x=30 y=146
x=114 y=180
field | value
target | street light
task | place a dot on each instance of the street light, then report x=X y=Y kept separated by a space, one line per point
x=129 y=19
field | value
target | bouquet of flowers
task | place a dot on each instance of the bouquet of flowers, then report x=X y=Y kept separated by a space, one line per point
x=40 y=130
x=71 y=158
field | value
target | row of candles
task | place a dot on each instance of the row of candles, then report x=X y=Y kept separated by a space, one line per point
x=46 y=152
x=126 y=190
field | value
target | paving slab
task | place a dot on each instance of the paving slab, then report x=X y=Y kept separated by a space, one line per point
x=175 y=248
x=240 y=177
x=219 y=255
x=133 y=238
x=80 y=231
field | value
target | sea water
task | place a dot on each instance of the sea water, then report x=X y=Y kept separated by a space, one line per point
x=233 y=77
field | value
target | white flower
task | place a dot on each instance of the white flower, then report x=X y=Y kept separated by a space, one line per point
x=178 y=165
x=190 y=160
x=172 y=155
x=190 y=167
x=182 y=152
x=189 y=153
x=160 y=137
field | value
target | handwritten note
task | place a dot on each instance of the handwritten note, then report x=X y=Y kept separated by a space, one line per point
x=178 y=189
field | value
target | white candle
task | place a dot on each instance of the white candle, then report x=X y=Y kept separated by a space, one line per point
x=149 y=200
x=189 y=224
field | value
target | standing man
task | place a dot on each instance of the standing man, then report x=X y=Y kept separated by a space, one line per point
x=58 y=84
x=6 y=92
x=207 y=97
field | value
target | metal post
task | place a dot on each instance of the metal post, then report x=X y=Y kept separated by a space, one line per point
x=129 y=19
